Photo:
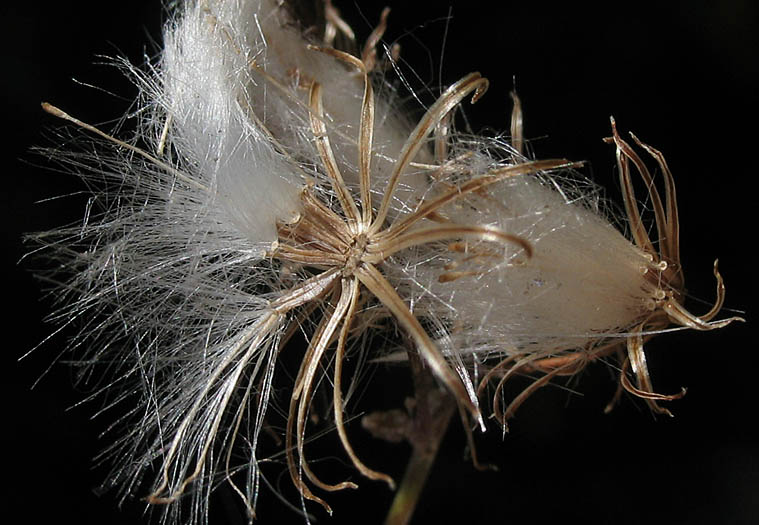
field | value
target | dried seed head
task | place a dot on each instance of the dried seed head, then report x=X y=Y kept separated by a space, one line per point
x=281 y=193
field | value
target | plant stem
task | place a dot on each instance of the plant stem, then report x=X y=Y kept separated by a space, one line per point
x=433 y=409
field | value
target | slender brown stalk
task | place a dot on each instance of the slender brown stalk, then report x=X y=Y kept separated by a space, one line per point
x=433 y=409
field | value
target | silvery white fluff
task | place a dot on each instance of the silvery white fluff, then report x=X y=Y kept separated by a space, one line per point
x=272 y=190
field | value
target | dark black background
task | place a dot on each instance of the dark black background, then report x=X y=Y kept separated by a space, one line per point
x=682 y=75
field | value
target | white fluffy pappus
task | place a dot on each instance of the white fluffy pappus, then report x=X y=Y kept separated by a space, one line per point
x=275 y=190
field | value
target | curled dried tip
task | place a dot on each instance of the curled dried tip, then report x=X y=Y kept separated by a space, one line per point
x=334 y=24
x=367 y=60
x=482 y=88
x=680 y=316
x=342 y=55
x=369 y=52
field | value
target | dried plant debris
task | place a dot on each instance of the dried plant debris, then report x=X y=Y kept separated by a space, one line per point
x=276 y=188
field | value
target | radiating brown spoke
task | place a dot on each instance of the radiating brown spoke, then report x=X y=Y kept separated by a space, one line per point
x=308 y=290
x=383 y=290
x=659 y=215
x=319 y=130
x=377 y=252
x=467 y=188
x=366 y=124
x=640 y=236
x=445 y=103
x=671 y=244
x=527 y=392
x=637 y=359
x=324 y=339
x=352 y=285
x=497 y=412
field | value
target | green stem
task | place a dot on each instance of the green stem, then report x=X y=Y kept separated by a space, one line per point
x=433 y=409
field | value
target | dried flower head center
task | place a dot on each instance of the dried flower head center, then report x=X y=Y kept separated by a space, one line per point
x=355 y=254
x=342 y=238
x=322 y=238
